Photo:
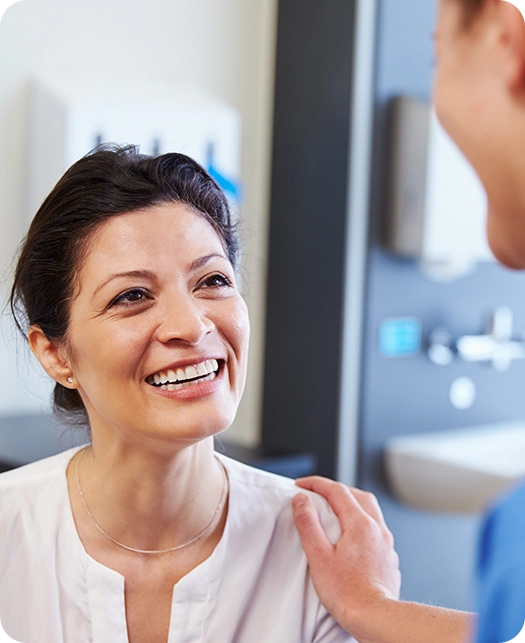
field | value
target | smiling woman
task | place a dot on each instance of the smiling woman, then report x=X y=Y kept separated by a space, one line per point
x=90 y=193
x=125 y=288
x=155 y=294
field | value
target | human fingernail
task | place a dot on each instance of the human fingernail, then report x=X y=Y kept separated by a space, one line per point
x=299 y=500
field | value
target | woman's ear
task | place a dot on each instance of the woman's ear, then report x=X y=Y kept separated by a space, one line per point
x=510 y=54
x=52 y=356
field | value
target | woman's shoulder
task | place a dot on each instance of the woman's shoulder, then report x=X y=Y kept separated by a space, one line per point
x=47 y=468
x=262 y=551
x=32 y=501
x=273 y=493
x=254 y=482
x=250 y=476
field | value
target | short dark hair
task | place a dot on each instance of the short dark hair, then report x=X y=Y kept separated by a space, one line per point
x=109 y=181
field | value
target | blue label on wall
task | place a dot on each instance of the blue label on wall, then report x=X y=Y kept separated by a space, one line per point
x=400 y=337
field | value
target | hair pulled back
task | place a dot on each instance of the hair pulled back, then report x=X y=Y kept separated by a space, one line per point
x=107 y=182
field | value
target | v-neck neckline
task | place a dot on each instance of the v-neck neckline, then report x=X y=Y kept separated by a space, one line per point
x=105 y=586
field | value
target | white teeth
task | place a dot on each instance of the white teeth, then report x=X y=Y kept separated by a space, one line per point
x=180 y=385
x=191 y=372
x=201 y=369
x=173 y=380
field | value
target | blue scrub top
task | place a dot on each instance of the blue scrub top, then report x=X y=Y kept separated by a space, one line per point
x=501 y=571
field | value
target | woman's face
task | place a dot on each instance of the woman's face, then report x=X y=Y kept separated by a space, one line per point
x=158 y=334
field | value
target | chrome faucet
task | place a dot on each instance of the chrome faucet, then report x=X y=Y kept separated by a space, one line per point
x=496 y=346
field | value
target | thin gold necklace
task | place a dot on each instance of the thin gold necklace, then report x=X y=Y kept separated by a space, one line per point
x=156 y=551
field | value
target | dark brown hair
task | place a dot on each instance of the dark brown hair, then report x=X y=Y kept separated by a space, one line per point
x=107 y=182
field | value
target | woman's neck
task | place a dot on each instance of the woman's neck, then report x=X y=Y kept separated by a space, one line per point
x=149 y=500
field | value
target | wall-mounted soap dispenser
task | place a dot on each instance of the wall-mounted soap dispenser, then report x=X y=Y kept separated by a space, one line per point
x=437 y=203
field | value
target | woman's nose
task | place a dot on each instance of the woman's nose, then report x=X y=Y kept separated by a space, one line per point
x=184 y=319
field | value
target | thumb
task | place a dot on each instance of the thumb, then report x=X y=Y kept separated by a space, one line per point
x=315 y=542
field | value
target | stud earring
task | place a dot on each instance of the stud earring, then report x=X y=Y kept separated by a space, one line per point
x=70 y=379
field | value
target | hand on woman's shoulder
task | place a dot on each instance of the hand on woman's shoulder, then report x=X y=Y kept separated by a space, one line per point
x=359 y=565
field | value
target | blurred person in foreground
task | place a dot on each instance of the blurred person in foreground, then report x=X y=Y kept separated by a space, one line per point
x=479 y=94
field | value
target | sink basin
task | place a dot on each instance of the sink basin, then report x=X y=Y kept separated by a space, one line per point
x=460 y=471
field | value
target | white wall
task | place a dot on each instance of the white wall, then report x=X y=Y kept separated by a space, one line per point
x=224 y=46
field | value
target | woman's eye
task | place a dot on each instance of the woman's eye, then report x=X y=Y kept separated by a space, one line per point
x=216 y=281
x=132 y=296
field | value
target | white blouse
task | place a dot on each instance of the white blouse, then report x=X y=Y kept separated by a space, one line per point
x=254 y=588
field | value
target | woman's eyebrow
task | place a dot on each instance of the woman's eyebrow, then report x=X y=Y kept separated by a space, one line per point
x=201 y=261
x=142 y=274
x=147 y=274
